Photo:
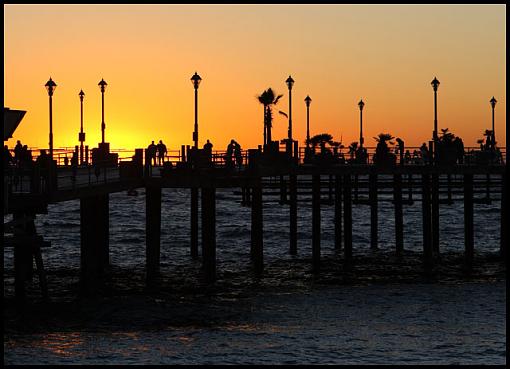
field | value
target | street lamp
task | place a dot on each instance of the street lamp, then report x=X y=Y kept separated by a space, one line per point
x=435 y=84
x=308 y=100
x=195 y=80
x=290 y=83
x=361 y=104
x=50 y=87
x=493 y=104
x=102 y=85
x=81 y=135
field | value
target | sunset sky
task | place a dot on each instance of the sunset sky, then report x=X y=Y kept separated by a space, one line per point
x=337 y=54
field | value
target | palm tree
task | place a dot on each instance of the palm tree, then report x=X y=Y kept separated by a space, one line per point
x=321 y=139
x=268 y=99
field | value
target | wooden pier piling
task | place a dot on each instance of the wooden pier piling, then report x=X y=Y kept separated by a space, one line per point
x=209 y=233
x=94 y=232
x=257 y=240
x=427 y=226
x=372 y=198
x=338 y=212
x=399 y=218
x=468 y=220
x=293 y=214
x=316 y=222
x=152 y=230
x=435 y=214
x=347 y=218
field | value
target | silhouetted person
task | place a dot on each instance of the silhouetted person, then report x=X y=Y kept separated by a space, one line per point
x=44 y=162
x=238 y=155
x=400 y=149
x=7 y=157
x=161 y=147
x=17 y=151
x=151 y=153
x=66 y=161
x=425 y=155
x=230 y=152
x=407 y=157
x=208 y=150
x=459 y=145
x=74 y=166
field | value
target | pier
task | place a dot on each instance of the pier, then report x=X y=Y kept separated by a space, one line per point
x=281 y=180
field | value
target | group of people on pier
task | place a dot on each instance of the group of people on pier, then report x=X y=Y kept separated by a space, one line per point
x=156 y=152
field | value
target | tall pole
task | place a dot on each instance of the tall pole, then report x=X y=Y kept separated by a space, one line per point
x=103 y=125
x=82 y=135
x=195 y=136
x=435 y=84
x=51 y=127
x=361 y=104
x=493 y=104
x=308 y=100
x=290 y=114
x=102 y=84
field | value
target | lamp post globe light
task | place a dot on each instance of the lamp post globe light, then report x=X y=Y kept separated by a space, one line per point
x=81 y=135
x=102 y=84
x=493 y=102
x=308 y=100
x=290 y=83
x=50 y=87
x=361 y=104
x=435 y=85
x=195 y=80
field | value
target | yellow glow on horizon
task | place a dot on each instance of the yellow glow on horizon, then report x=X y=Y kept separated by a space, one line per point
x=337 y=54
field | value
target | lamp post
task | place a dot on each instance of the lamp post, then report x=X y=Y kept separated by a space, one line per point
x=50 y=87
x=493 y=104
x=195 y=79
x=81 y=135
x=435 y=84
x=102 y=85
x=361 y=104
x=308 y=100
x=290 y=83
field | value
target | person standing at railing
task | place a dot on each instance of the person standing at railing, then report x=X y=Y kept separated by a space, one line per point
x=151 y=154
x=400 y=147
x=44 y=162
x=161 y=148
x=74 y=167
x=230 y=152
x=208 y=150
x=17 y=152
x=238 y=155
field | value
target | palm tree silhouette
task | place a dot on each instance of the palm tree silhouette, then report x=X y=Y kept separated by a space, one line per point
x=268 y=99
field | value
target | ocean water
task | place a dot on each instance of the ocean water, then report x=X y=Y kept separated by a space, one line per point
x=287 y=316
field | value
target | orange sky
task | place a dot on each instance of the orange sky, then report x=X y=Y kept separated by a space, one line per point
x=337 y=54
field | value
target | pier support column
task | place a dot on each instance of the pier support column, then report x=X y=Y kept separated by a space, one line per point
x=94 y=231
x=152 y=230
x=347 y=218
x=194 y=223
x=209 y=233
x=399 y=217
x=503 y=247
x=22 y=260
x=338 y=212
x=468 y=220
x=257 y=240
x=435 y=214
x=316 y=221
x=293 y=213
x=427 y=226
x=283 y=190
x=372 y=195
